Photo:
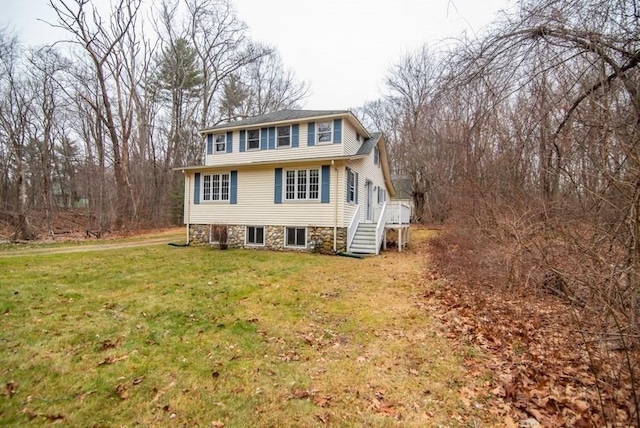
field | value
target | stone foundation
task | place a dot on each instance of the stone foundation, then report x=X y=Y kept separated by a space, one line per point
x=319 y=239
x=199 y=234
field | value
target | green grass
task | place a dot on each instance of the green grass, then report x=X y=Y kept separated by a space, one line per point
x=163 y=335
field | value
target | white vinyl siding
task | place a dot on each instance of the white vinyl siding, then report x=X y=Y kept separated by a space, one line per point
x=256 y=202
x=367 y=170
x=302 y=152
x=349 y=141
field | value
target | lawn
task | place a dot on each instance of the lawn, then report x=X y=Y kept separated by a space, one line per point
x=194 y=336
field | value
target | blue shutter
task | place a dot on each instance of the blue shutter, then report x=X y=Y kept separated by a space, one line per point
x=242 y=140
x=295 y=130
x=233 y=198
x=277 y=196
x=356 y=184
x=196 y=189
x=272 y=137
x=311 y=134
x=229 y=142
x=347 y=171
x=263 y=138
x=210 y=144
x=337 y=131
x=324 y=193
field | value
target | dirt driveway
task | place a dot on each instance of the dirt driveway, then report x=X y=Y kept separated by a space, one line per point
x=166 y=238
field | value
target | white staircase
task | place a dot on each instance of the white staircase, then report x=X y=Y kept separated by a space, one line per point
x=364 y=241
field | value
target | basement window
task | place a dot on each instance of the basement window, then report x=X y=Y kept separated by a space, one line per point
x=295 y=237
x=254 y=235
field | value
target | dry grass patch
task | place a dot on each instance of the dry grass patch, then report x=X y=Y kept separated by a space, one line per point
x=196 y=336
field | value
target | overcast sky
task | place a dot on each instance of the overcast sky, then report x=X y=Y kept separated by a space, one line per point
x=341 y=48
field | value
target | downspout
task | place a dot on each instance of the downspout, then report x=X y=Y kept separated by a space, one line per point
x=187 y=185
x=335 y=210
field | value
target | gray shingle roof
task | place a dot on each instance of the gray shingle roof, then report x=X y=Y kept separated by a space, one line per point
x=278 y=116
x=369 y=144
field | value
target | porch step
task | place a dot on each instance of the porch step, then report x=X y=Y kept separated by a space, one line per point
x=364 y=240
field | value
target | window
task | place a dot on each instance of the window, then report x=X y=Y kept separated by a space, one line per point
x=284 y=136
x=255 y=235
x=351 y=185
x=382 y=195
x=253 y=139
x=221 y=143
x=325 y=132
x=376 y=156
x=295 y=237
x=302 y=184
x=215 y=187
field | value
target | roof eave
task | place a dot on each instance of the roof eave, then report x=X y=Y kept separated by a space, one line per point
x=266 y=162
x=347 y=114
x=385 y=165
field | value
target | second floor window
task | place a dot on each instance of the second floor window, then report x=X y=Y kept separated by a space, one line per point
x=325 y=130
x=284 y=136
x=253 y=139
x=215 y=187
x=221 y=143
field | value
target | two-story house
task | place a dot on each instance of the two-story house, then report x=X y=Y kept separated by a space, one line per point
x=294 y=180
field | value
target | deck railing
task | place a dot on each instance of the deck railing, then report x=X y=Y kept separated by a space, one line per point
x=353 y=226
x=380 y=227
x=398 y=213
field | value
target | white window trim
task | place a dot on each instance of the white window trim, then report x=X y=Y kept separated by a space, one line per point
x=278 y=146
x=246 y=237
x=215 y=143
x=352 y=173
x=211 y=200
x=259 y=140
x=306 y=237
x=382 y=195
x=318 y=142
x=308 y=191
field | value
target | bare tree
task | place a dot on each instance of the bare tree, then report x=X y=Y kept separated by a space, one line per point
x=15 y=111
x=45 y=66
x=222 y=47
x=103 y=43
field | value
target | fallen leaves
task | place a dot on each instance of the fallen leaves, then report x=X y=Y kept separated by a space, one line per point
x=52 y=417
x=10 y=389
x=320 y=400
x=540 y=374
x=111 y=359
x=109 y=344
x=122 y=390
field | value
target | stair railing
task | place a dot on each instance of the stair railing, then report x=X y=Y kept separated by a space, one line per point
x=380 y=227
x=353 y=227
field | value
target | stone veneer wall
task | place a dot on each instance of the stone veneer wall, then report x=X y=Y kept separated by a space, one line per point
x=320 y=238
x=199 y=234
